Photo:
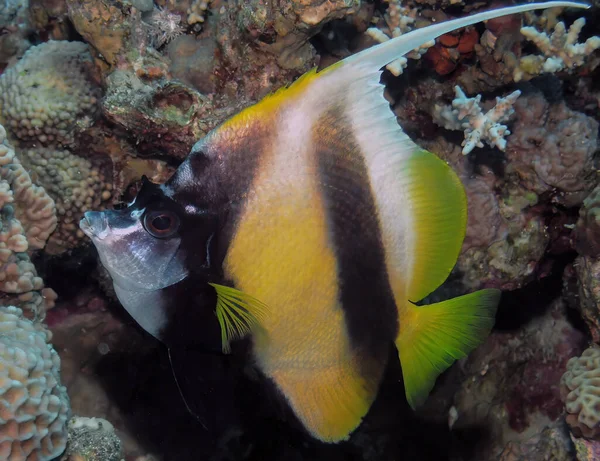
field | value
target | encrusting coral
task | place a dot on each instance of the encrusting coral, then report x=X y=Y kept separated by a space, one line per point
x=47 y=96
x=560 y=50
x=31 y=204
x=27 y=218
x=552 y=148
x=478 y=126
x=75 y=185
x=580 y=390
x=34 y=406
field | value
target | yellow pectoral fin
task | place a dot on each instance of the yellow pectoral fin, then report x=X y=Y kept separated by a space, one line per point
x=237 y=312
x=432 y=337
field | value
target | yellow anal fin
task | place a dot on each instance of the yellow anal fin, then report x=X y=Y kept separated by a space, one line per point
x=432 y=337
x=439 y=209
x=330 y=402
x=238 y=314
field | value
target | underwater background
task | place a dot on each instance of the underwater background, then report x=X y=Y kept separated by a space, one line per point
x=95 y=94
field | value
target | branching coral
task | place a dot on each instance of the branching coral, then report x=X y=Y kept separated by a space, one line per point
x=46 y=96
x=197 y=11
x=34 y=406
x=561 y=50
x=398 y=20
x=478 y=126
x=580 y=390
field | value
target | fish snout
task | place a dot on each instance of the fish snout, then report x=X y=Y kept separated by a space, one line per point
x=94 y=224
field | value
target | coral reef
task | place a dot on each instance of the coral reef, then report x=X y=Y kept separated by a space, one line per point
x=561 y=50
x=451 y=49
x=47 y=97
x=106 y=26
x=92 y=439
x=74 y=184
x=86 y=378
x=163 y=26
x=50 y=18
x=15 y=25
x=398 y=20
x=32 y=206
x=35 y=406
x=478 y=126
x=587 y=271
x=167 y=115
x=580 y=390
x=586 y=450
x=511 y=388
x=551 y=149
x=28 y=218
x=587 y=230
x=197 y=11
x=193 y=62
x=507 y=235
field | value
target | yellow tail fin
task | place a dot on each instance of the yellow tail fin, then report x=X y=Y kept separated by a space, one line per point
x=432 y=337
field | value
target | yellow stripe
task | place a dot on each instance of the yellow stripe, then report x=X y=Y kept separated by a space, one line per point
x=281 y=254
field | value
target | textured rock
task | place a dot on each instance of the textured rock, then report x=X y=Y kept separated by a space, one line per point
x=587 y=230
x=92 y=439
x=588 y=276
x=511 y=389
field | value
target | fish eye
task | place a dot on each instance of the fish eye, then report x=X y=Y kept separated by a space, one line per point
x=161 y=224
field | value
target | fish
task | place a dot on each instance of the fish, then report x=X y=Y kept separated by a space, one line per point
x=313 y=225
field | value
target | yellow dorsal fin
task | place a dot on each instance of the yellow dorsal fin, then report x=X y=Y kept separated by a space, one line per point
x=439 y=218
x=238 y=314
x=432 y=337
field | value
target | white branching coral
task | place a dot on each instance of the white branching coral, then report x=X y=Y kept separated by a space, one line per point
x=466 y=113
x=398 y=20
x=561 y=50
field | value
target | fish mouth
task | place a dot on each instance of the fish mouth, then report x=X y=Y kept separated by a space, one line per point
x=94 y=224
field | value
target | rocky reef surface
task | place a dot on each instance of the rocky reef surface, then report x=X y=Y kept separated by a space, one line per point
x=94 y=94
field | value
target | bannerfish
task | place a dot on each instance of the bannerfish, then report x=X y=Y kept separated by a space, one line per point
x=313 y=224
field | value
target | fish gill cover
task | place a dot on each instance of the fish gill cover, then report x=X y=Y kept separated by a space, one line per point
x=95 y=94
